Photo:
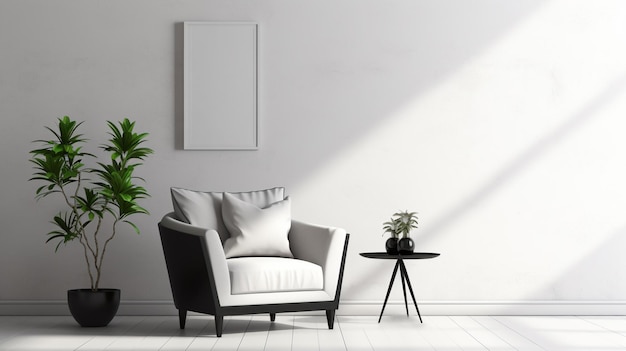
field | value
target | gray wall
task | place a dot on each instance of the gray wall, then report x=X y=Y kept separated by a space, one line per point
x=500 y=122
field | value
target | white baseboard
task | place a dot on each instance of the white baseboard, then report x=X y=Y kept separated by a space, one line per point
x=356 y=308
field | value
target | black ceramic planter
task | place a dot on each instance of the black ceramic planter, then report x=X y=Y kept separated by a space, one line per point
x=406 y=246
x=391 y=246
x=93 y=308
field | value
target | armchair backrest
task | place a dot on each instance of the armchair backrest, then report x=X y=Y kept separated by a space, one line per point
x=204 y=209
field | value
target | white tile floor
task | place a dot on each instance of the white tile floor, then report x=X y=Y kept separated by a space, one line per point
x=311 y=333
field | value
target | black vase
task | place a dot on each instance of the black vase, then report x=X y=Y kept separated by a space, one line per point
x=406 y=246
x=391 y=246
x=93 y=308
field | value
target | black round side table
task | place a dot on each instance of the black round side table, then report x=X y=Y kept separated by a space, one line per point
x=404 y=276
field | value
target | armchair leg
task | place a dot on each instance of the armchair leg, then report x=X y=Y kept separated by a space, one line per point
x=330 y=318
x=272 y=316
x=182 y=318
x=219 y=325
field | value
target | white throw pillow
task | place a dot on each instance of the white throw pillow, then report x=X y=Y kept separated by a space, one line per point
x=256 y=231
x=204 y=209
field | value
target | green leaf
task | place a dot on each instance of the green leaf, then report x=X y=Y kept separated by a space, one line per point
x=134 y=226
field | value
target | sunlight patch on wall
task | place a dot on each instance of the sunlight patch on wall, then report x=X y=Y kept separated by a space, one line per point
x=517 y=155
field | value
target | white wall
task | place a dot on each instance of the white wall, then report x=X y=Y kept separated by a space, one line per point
x=501 y=122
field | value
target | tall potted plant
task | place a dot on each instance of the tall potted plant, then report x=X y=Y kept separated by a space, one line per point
x=91 y=205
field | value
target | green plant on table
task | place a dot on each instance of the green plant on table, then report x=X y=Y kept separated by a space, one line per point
x=401 y=224
x=111 y=198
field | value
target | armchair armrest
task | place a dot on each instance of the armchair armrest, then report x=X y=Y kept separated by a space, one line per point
x=324 y=246
x=211 y=247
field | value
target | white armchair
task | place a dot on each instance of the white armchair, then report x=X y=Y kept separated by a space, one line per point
x=205 y=279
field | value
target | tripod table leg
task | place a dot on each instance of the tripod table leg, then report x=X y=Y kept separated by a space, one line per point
x=404 y=273
x=406 y=305
x=393 y=276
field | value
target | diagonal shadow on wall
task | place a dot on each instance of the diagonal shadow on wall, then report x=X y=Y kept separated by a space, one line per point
x=514 y=168
x=530 y=154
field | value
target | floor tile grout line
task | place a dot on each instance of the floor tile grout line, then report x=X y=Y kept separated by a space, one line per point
x=317 y=329
x=86 y=342
x=468 y=332
x=447 y=335
x=201 y=332
x=244 y=333
x=623 y=335
x=600 y=326
x=124 y=333
x=155 y=328
x=342 y=337
x=112 y=341
x=293 y=327
x=369 y=341
x=128 y=330
x=225 y=322
x=489 y=330
x=83 y=344
x=267 y=335
x=152 y=330
x=518 y=333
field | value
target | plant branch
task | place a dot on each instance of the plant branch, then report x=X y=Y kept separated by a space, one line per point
x=80 y=229
x=104 y=247
x=91 y=280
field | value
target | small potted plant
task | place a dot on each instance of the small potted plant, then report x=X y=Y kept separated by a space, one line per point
x=93 y=208
x=400 y=227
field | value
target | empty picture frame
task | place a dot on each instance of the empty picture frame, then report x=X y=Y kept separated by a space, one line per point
x=220 y=86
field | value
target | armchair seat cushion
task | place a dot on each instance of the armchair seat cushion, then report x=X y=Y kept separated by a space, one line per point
x=250 y=275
